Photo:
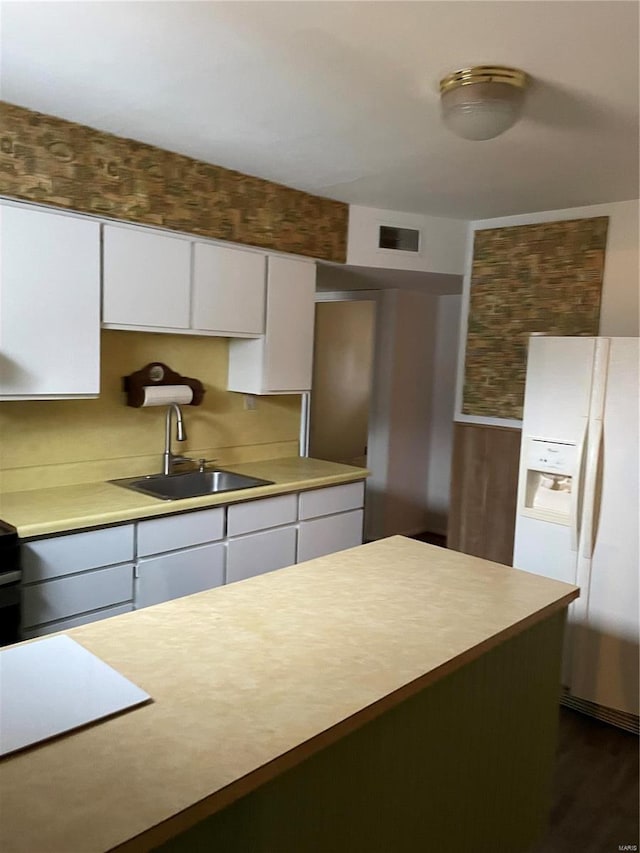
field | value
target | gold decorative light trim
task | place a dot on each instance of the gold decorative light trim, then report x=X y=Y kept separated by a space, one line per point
x=484 y=74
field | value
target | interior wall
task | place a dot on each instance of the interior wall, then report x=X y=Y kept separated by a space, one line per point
x=442 y=244
x=58 y=442
x=342 y=372
x=414 y=322
x=411 y=433
x=443 y=399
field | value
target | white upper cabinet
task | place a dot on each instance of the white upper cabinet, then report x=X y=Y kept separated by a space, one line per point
x=157 y=282
x=228 y=290
x=147 y=279
x=281 y=361
x=49 y=305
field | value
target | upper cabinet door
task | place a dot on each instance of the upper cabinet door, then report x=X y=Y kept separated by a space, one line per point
x=288 y=350
x=280 y=362
x=147 y=279
x=49 y=305
x=228 y=290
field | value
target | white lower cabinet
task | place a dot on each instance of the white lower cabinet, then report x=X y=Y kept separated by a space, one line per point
x=331 y=519
x=179 y=531
x=45 y=559
x=83 y=577
x=71 y=580
x=261 y=552
x=169 y=576
x=320 y=536
x=75 y=621
x=262 y=514
x=76 y=594
x=330 y=500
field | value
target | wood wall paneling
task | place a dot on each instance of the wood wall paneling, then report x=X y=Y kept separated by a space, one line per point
x=484 y=485
x=465 y=531
x=48 y=160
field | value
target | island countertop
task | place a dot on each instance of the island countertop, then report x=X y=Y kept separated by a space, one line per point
x=58 y=509
x=250 y=679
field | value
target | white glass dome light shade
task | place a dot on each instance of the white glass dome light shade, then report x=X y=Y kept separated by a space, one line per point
x=482 y=102
x=481 y=110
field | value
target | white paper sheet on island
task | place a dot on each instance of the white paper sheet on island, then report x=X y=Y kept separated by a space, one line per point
x=55 y=685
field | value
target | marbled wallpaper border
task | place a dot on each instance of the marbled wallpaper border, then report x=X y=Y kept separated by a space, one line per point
x=57 y=162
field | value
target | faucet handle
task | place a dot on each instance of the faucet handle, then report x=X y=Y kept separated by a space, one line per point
x=202 y=464
x=177 y=459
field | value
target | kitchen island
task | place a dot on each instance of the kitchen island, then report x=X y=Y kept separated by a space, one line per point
x=393 y=697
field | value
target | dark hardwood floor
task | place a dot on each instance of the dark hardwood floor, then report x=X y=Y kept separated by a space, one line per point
x=431 y=538
x=595 y=800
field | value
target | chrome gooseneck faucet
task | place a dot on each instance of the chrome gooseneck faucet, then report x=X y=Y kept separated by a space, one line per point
x=181 y=434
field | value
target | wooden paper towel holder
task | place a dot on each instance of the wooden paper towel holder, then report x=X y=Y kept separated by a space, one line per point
x=156 y=373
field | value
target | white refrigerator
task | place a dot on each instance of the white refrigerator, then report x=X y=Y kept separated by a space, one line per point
x=578 y=510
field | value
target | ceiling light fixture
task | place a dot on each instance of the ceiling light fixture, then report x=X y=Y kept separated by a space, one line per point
x=484 y=101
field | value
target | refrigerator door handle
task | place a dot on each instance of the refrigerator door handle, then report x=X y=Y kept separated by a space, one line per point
x=590 y=492
x=577 y=489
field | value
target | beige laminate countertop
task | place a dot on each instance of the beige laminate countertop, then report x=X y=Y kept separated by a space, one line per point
x=40 y=512
x=251 y=678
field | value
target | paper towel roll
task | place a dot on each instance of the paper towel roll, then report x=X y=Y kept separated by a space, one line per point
x=163 y=395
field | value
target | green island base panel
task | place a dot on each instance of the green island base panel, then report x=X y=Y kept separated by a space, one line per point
x=463 y=765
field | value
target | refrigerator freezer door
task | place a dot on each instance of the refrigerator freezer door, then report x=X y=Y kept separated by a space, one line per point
x=558 y=389
x=605 y=668
x=556 y=406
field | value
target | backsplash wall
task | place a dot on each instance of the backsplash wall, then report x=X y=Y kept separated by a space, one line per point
x=51 y=443
x=49 y=160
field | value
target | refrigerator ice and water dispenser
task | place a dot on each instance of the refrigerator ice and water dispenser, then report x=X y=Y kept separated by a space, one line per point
x=550 y=474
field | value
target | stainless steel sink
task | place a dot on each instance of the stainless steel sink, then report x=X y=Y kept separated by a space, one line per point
x=192 y=484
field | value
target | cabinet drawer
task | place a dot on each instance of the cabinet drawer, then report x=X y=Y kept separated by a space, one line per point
x=65 y=624
x=260 y=552
x=322 y=536
x=180 y=531
x=58 y=599
x=332 y=499
x=182 y=573
x=258 y=515
x=76 y=552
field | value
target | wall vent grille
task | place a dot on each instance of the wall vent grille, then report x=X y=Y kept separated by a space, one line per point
x=399 y=239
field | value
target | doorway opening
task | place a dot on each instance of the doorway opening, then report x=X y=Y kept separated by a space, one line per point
x=342 y=381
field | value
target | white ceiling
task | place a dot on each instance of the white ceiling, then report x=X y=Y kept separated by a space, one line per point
x=341 y=98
